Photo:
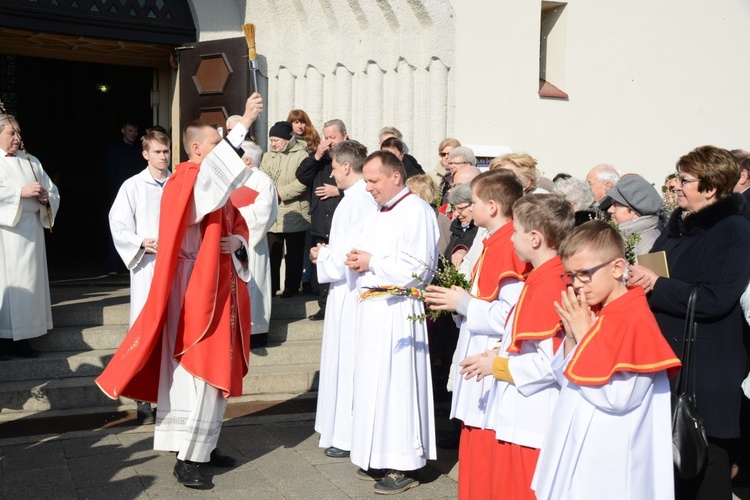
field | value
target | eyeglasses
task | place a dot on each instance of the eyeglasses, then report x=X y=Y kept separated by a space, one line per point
x=583 y=276
x=681 y=181
x=667 y=189
x=457 y=163
x=458 y=209
x=443 y=155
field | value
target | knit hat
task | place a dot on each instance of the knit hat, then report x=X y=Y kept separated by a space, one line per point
x=636 y=193
x=282 y=130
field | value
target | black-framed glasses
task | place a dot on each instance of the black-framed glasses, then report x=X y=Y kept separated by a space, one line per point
x=583 y=276
x=460 y=209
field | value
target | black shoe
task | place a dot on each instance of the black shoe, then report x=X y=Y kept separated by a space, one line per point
x=287 y=294
x=334 y=452
x=23 y=349
x=371 y=474
x=258 y=340
x=218 y=459
x=318 y=316
x=307 y=288
x=396 y=482
x=189 y=474
x=144 y=415
x=5 y=349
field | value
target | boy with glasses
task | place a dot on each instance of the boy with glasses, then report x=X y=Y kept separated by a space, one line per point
x=610 y=434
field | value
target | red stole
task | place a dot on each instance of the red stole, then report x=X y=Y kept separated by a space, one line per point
x=212 y=341
x=535 y=317
x=497 y=262
x=626 y=338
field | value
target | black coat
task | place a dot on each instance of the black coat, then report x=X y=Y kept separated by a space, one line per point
x=460 y=237
x=314 y=173
x=710 y=249
x=411 y=166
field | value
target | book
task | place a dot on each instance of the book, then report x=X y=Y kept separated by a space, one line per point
x=657 y=262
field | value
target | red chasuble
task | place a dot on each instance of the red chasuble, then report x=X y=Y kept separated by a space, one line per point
x=626 y=338
x=497 y=262
x=535 y=317
x=213 y=339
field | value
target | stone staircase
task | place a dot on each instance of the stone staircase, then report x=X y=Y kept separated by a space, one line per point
x=91 y=321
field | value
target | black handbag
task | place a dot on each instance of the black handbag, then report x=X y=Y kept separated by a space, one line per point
x=689 y=442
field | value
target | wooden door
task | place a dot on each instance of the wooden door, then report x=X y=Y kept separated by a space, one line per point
x=215 y=81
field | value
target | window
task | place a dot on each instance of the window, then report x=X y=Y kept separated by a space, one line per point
x=552 y=48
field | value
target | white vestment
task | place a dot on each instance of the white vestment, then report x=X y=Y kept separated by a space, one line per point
x=189 y=410
x=333 y=419
x=25 y=308
x=393 y=424
x=134 y=216
x=520 y=411
x=480 y=329
x=260 y=216
x=611 y=441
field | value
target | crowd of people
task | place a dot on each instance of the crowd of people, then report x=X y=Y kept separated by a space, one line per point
x=558 y=353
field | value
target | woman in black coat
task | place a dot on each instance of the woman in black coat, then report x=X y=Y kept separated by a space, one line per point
x=707 y=242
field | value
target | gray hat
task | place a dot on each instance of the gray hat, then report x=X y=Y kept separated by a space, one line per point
x=636 y=193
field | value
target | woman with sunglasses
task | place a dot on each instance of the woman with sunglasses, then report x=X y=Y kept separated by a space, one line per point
x=707 y=243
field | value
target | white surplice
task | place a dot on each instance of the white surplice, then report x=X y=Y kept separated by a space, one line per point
x=611 y=441
x=393 y=423
x=25 y=308
x=133 y=217
x=333 y=418
x=481 y=326
x=260 y=216
x=190 y=411
x=520 y=411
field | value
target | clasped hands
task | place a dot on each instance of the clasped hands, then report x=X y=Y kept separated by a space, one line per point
x=358 y=261
x=35 y=190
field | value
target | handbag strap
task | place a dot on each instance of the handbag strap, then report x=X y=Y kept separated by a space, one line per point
x=687 y=374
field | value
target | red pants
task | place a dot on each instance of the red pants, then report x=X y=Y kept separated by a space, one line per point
x=492 y=469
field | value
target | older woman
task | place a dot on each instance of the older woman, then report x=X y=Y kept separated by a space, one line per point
x=635 y=209
x=441 y=172
x=707 y=242
x=579 y=194
x=293 y=219
x=524 y=166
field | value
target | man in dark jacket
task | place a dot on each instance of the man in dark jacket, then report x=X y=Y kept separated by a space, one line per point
x=315 y=172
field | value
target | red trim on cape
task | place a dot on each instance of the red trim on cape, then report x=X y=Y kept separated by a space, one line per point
x=497 y=262
x=384 y=209
x=207 y=347
x=535 y=317
x=626 y=338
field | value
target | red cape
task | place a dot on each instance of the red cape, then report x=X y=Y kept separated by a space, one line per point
x=213 y=338
x=497 y=262
x=536 y=318
x=626 y=338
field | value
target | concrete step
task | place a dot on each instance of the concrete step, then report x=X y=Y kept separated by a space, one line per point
x=89 y=306
x=82 y=392
x=62 y=364
x=81 y=338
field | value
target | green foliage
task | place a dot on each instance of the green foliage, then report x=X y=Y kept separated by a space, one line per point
x=630 y=243
x=446 y=276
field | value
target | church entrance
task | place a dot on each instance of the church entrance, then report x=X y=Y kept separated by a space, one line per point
x=73 y=73
x=69 y=113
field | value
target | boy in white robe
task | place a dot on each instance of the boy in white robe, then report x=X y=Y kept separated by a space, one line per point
x=610 y=434
x=333 y=418
x=28 y=199
x=393 y=425
x=134 y=223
